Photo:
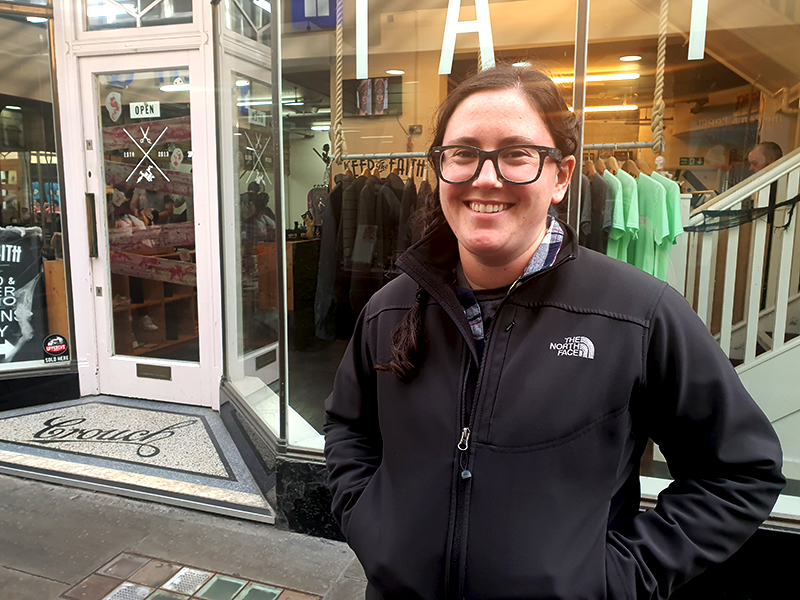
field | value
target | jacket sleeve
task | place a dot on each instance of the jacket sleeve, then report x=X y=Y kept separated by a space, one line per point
x=353 y=445
x=722 y=452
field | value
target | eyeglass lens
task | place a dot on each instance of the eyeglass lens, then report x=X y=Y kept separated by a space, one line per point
x=516 y=164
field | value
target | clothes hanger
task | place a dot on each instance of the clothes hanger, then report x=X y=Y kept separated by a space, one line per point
x=366 y=172
x=589 y=169
x=643 y=165
x=631 y=168
x=600 y=165
x=349 y=173
x=612 y=164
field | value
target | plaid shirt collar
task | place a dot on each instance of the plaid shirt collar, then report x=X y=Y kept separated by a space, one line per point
x=544 y=257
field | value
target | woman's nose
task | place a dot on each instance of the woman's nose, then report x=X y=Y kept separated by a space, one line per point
x=488 y=177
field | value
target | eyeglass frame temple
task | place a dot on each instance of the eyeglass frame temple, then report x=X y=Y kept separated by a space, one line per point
x=493 y=155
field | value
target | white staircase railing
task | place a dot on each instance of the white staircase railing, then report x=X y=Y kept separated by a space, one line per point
x=753 y=311
x=750 y=310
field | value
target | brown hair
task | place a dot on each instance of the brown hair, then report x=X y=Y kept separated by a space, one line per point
x=408 y=339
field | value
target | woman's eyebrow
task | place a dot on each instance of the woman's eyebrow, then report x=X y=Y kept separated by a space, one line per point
x=506 y=141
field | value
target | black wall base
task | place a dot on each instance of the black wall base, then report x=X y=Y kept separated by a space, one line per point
x=304 y=502
x=33 y=391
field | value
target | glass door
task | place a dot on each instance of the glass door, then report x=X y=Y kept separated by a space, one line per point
x=142 y=195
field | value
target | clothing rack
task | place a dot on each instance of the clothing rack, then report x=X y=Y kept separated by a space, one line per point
x=389 y=155
x=618 y=146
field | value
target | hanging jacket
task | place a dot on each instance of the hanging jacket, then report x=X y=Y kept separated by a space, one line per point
x=330 y=263
x=518 y=476
x=349 y=223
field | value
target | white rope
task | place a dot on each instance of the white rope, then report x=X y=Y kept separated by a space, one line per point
x=657 y=120
x=339 y=147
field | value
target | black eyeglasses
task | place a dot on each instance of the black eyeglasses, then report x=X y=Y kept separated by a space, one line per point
x=519 y=164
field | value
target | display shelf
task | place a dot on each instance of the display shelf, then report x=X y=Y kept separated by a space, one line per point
x=158 y=314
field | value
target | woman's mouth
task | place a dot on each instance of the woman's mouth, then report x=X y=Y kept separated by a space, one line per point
x=483 y=207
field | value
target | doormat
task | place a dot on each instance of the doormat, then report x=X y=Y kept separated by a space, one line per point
x=181 y=451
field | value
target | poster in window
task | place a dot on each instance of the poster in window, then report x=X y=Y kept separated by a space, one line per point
x=380 y=97
x=22 y=312
x=364 y=97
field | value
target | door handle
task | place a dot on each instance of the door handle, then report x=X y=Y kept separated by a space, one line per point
x=91 y=222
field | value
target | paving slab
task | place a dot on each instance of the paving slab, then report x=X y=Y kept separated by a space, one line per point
x=23 y=586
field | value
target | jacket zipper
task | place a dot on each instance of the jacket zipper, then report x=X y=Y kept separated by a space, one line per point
x=457 y=573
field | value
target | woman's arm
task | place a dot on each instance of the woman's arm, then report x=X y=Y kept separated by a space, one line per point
x=720 y=448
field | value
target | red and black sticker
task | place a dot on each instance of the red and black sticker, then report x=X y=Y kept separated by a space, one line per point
x=56 y=349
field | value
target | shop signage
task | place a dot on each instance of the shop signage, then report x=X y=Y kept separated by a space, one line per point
x=145 y=110
x=257 y=117
x=692 y=161
x=172 y=440
x=408 y=167
x=22 y=321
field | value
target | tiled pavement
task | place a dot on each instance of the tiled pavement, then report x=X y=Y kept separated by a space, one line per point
x=58 y=542
x=136 y=577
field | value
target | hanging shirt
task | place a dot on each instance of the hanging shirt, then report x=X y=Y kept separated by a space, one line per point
x=653 y=223
x=617 y=228
x=673 y=200
x=628 y=211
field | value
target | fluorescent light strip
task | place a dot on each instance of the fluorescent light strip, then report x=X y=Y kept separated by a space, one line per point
x=613 y=108
x=609 y=77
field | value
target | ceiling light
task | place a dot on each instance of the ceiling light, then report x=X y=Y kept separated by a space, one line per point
x=292 y=103
x=320 y=128
x=608 y=77
x=630 y=58
x=253 y=102
x=263 y=5
x=176 y=87
x=395 y=72
x=521 y=64
x=324 y=111
x=242 y=83
x=237 y=134
x=36 y=19
x=13 y=107
x=613 y=108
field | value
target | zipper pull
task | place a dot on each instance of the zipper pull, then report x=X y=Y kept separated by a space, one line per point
x=510 y=326
x=463 y=443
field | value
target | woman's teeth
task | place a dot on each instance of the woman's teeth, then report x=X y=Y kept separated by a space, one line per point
x=488 y=208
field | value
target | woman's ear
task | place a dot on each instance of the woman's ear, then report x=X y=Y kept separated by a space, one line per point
x=563 y=178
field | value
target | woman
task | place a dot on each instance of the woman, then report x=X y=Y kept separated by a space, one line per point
x=487 y=421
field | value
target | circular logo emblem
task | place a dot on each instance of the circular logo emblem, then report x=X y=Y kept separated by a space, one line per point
x=55 y=345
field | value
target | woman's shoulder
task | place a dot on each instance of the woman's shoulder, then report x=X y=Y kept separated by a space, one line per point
x=399 y=294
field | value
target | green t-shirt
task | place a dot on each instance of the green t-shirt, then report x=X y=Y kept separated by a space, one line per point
x=627 y=211
x=653 y=223
x=673 y=199
x=617 y=214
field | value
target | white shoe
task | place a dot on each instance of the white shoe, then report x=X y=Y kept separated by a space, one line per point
x=146 y=324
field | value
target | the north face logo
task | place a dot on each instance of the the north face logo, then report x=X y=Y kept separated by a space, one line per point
x=574 y=346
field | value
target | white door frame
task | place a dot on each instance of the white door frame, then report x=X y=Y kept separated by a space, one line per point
x=152 y=48
x=189 y=382
x=238 y=367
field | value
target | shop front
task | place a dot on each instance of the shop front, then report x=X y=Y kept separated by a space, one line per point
x=183 y=244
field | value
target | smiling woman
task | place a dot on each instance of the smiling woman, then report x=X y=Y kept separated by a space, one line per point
x=488 y=414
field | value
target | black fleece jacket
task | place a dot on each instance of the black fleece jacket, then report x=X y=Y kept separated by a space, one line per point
x=518 y=476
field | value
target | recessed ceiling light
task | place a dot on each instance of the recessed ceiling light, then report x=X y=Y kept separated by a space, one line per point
x=176 y=87
x=13 y=107
x=521 y=64
x=395 y=72
x=320 y=128
x=36 y=20
x=242 y=82
x=630 y=58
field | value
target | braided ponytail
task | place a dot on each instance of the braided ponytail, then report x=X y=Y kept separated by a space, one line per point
x=408 y=342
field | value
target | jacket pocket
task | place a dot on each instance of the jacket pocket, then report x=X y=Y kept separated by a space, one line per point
x=538 y=517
